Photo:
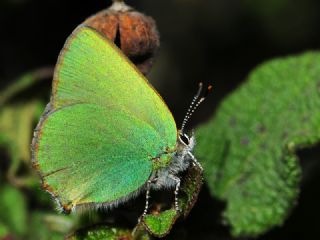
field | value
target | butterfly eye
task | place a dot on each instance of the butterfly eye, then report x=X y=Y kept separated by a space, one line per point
x=185 y=139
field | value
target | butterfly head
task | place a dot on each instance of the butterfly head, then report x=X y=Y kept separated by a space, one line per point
x=186 y=141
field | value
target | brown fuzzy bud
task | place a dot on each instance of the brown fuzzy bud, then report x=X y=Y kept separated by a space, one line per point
x=133 y=32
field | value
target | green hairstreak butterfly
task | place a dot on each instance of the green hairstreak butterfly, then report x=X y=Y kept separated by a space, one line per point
x=106 y=134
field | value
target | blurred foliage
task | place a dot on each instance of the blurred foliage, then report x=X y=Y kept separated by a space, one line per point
x=248 y=148
x=16 y=124
x=4 y=231
x=15 y=218
x=263 y=8
x=102 y=233
x=49 y=226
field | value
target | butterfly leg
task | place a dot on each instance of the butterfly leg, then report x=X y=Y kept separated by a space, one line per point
x=149 y=184
x=176 y=192
x=147 y=197
x=195 y=161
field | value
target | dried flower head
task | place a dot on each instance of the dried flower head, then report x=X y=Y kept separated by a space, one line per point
x=133 y=32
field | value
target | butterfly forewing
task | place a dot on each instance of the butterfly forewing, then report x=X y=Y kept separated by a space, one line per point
x=91 y=69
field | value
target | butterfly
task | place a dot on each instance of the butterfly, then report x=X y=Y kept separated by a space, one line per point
x=106 y=134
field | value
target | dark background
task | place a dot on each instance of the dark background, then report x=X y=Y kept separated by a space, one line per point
x=219 y=41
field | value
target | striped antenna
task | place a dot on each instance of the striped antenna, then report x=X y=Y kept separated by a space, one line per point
x=195 y=104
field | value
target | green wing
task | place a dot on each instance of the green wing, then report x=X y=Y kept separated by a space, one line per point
x=91 y=69
x=103 y=126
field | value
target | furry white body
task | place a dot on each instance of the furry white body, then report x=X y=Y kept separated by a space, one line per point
x=166 y=177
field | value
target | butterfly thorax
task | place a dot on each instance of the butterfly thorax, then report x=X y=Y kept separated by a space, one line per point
x=173 y=163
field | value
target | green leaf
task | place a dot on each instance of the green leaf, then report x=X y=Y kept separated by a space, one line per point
x=248 y=148
x=4 y=231
x=101 y=233
x=160 y=225
x=16 y=126
x=13 y=209
x=17 y=120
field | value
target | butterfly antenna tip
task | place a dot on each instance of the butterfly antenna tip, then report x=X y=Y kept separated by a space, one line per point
x=195 y=103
